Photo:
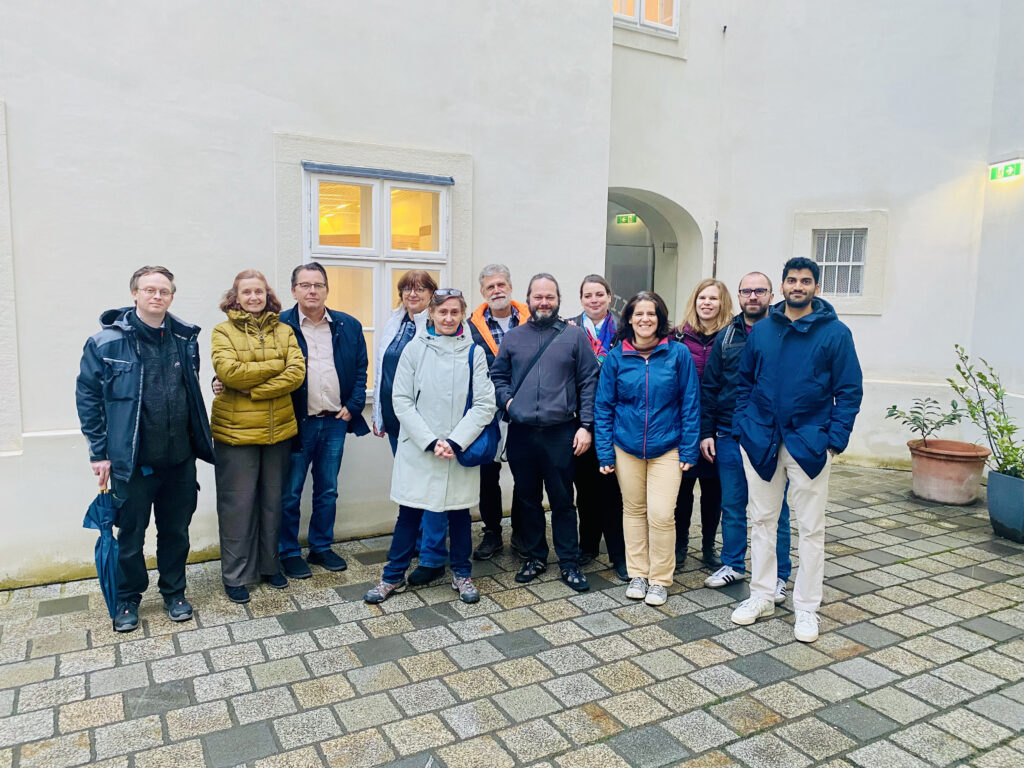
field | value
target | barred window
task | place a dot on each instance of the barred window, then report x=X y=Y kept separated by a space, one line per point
x=840 y=256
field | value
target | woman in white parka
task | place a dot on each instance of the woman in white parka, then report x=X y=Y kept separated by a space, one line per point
x=428 y=483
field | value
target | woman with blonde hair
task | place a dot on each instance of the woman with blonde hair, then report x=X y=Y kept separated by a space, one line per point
x=708 y=311
x=259 y=362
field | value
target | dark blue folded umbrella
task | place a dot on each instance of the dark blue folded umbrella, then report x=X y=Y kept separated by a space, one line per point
x=100 y=516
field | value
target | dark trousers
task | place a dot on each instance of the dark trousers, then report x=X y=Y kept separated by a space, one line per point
x=541 y=459
x=599 y=504
x=490 y=499
x=435 y=526
x=710 y=510
x=250 y=482
x=171 y=493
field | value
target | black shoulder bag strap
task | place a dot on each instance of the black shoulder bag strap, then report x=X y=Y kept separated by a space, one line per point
x=536 y=357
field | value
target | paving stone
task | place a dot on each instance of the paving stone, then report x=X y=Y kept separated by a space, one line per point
x=423 y=697
x=688 y=628
x=474 y=718
x=307 y=727
x=178 y=667
x=220 y=685
x=722 y=680
x=575 y=689
x=367 y=712
x=932 y=649
x=51 y=693
x=129 y=736
x=474 y=654
x=526 y=703
x=870 y=635
x=146 y=649
x=417 y=734
x=1001 y=709
x=761 y=668
x=525 y=642
x=884 y=754
x=426 y=665
x=814 y=737
x=681 y=695
x=86 y=661
x=118 y=679
x=1001 y=757
x=997 y=664
x=90 y=713
x=705 y=653
x=786 y=699
x=860 y=722
x=238 y=655
x=595 y=756
x=745 y=715
x=483 y=750
x=27 y=727
x=567 y=659
x=188 y=753
x=263 y=705
x=282 y=646
x=340 y=634
x=767 y=751
x=935 y=746
x=533 y=740
x=379 y=677
x=475 y=683
x=699 y=731
x=800 y=656
x=974 y=680
x=421 y=640
x=156 y=699
x=865 y=673
x=236 y=746
x=322 y=690
x=663 y=664
x=518 y=618
x=931 y=689
x=25 y=672
x=202 y=639
x=635 y=708
x=330 y=661
x=191 y=722
x=61 y=752
x=59 y=642
x=900 y=661
x=255 y=629
x=648 y=747
x=522 y=671
x=311 y=618
x=63 y=605
x=359 y=750
x=897 y=705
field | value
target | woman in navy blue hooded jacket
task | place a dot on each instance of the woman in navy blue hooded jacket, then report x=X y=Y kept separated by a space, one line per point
x=647 y=424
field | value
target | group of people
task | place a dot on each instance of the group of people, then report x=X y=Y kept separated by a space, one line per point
x=616 y=418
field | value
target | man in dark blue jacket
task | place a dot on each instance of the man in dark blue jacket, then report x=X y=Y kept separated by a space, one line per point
x=798 y=392
x=717 y=402
x=142 y=412
x=328 y=406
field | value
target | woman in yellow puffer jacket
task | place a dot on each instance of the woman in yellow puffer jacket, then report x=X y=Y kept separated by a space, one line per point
x=259 y=362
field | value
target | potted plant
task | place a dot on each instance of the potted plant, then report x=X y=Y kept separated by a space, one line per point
x=947 y=471
x=985 y=400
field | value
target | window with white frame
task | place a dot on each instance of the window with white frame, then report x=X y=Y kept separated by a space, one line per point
x=840 y=257
x=369 y=227
x=656 y=16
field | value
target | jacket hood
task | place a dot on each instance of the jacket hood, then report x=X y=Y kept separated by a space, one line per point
x=118 y=318
x=821 y=312
x=459 y=341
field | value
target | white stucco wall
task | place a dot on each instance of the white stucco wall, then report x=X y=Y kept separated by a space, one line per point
x=145 y=133
x=806 y=107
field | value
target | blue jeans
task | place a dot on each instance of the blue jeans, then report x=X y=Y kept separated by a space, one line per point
x=323 y=442
x=433 y=552
x=734 y=511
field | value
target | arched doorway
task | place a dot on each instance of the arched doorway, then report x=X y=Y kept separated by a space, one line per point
x=651 y=243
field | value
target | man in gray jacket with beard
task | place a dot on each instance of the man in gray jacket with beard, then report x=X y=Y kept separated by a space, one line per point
x=545 y=378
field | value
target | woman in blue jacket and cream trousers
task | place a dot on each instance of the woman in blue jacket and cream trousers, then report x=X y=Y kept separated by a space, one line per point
x=647 y=425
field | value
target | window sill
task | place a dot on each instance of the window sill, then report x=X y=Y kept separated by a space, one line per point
x=662 y=43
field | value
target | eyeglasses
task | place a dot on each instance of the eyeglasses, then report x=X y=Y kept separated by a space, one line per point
x=307 y=286
x=163 y=293
x=755 y=291
x=414 y=289
x=445 y=293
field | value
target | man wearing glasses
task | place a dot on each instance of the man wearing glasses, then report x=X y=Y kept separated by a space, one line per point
x=143 y=415
x=328 y=406
x=718 y=399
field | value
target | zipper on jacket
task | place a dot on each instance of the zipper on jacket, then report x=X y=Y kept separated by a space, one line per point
x=647 y=399
x=138 y=405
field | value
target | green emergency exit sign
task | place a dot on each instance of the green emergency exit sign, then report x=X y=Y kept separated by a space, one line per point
x=630 y=218
x=1005 y=171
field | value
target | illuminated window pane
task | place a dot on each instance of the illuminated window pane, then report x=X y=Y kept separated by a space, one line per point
x=624 y=7
x=370 y=355
x=398 y=274
x=351 y=291
x=346 y=215
x=414 y=220
x=659 y=12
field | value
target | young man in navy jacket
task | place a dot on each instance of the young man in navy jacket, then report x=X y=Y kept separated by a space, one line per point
x=798 y=392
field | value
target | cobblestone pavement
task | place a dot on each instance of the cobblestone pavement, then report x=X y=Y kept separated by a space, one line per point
x=919 y=663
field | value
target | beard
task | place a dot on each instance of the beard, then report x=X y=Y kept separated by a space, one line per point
x=755 y=316
x=499 y=305
x=799 y=303
x=546 y=319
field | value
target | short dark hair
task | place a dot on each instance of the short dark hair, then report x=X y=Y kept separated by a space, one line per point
x=543 y=276
x=599 y=279
x=312 y=265
x=625 y=331
x=801 y=262
x=414 y=278
x=133 y=284
x=762 y=274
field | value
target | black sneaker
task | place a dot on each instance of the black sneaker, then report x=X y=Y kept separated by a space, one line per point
x=424 y=574
x=127 y=617
x=178 y=608
x=295 y=567
x=277 y=581
x=587 y=557
x=575 y=579
x=237 y=594
x=680 y=559
x=531 y=570
x=490 y=545
x=710 y=559
x=328 y=560
x=621 y=571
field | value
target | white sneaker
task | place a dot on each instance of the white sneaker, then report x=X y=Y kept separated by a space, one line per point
x=780 y=592
x=656 y=595
x=637 y=589
x=722 y=577
x=752 y=609
x=806 y=627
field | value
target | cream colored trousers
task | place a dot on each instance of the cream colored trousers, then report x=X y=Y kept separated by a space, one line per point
x=649 y=490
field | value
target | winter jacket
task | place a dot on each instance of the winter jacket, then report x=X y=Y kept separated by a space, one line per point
x=562 y=384
x=799 y=383
x=108 y=391
x=349 y=361
x=261 y=355
x=718 y=384
x=482 y=333
x=699 y=345
x=391 y=328
x=647 y=406
x=431 y=385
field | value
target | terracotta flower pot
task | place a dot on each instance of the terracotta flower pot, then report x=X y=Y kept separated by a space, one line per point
x=947 y=471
